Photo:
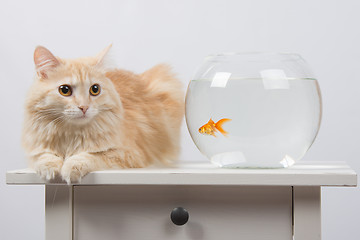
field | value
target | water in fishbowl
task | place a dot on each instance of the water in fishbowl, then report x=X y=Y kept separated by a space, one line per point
x=273 y=121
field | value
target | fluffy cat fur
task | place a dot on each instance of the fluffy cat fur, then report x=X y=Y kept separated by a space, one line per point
x=133 y=122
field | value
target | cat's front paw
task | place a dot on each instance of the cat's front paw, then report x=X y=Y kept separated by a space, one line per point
x=48 y=166
x=74 y=169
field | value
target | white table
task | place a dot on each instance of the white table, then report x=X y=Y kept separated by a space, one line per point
x=249 y=204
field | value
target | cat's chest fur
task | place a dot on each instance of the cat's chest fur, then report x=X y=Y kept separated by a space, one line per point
x=69 y=140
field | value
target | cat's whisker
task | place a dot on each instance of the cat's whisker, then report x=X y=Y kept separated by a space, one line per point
x=54 y=120
x=105 y=109
x=44 y=117
x=48 y=111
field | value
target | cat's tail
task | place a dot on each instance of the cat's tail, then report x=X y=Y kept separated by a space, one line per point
x=165 y=87
x=161 y=79
x=167 y=92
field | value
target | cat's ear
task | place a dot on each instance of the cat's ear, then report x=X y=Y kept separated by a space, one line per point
x=103 y=58
x=44 y=61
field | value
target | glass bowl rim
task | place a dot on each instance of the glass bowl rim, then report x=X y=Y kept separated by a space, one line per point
x=254 y=53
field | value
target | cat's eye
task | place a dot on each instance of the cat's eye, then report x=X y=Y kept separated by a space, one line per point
x=95 y=89
x=65 y=90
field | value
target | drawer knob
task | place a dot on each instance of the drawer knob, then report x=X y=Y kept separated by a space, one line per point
x=179 y=216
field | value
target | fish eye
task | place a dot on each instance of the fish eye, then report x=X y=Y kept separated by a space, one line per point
x=65 y=90
x=94 y=90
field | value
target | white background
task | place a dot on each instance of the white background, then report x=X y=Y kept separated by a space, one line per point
x=144 y=33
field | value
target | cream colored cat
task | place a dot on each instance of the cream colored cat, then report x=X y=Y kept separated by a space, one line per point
x=80 y=116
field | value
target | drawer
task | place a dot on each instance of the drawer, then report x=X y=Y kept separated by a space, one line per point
x=215 y=212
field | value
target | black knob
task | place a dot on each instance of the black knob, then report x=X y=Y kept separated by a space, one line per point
x=179 y=216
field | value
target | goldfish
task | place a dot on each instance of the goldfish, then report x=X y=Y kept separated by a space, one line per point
x=211 y=127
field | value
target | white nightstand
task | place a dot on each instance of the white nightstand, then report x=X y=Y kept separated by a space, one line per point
x=248 y=204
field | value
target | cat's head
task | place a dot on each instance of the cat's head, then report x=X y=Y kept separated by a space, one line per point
x=71 y=91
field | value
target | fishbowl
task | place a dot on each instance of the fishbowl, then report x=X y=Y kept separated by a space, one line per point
x=253 y=110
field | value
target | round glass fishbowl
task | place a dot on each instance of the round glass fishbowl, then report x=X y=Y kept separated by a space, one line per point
x=253 y=110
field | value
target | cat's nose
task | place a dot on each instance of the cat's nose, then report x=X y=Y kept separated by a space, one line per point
x=83 y=108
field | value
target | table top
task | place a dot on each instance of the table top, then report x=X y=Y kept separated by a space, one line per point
x=202 y=173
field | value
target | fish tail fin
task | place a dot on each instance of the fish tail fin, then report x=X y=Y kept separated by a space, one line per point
x=219 y=124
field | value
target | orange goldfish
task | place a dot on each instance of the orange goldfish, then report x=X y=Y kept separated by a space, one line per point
x=211 y=127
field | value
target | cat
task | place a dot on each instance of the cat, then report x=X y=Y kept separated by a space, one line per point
x=81 y=116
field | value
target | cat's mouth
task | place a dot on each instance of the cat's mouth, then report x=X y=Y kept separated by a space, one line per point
x=83 y=117
x=80 y=118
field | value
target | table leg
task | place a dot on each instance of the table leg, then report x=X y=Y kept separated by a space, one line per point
x=307 y=213
x=58 y=212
